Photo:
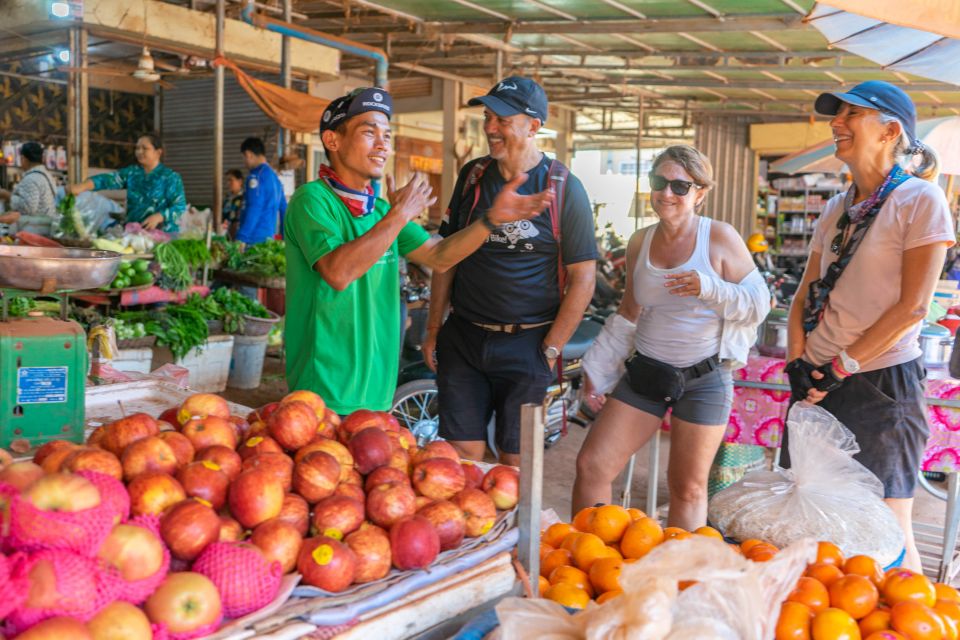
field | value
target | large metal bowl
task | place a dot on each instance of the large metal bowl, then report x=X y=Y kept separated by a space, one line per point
x=50 y=269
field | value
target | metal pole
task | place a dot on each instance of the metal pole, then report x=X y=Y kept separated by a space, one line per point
x=531 y=489
x=284 y=138
x=653 y=474
x=637 y=208
x=218 y=123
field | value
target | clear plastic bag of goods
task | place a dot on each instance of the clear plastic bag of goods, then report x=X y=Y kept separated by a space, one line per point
x=826 y=495
x=536 y=619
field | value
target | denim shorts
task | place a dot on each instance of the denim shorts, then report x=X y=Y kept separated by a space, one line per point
x=706 y=400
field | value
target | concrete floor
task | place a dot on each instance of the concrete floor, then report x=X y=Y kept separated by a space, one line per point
x=560 y=468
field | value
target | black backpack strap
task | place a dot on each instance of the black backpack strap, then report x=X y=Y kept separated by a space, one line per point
x=473 y=180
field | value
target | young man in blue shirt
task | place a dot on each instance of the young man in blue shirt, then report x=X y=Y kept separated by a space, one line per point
x=263 y=199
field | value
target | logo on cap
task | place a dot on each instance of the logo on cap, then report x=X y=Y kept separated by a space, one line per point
x=530 y=111
x=326 y=116
x=503 y=86
x=378 y=97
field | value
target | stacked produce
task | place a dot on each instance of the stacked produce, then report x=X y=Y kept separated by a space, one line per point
x=262 y=260
x=184 y=520
x=134 y=273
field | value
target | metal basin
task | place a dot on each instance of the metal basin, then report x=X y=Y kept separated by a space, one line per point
x=772 y=335
x=50 y=269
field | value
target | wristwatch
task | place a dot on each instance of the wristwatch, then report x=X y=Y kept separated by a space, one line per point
x=551 y=353
x=849 y=364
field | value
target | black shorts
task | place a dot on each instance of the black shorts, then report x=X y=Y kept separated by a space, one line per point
x=886 y=412
x=482 y=372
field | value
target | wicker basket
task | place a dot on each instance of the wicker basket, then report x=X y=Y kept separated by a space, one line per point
x=215 y=327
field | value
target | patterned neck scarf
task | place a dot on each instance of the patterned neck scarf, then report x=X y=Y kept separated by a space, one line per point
x=360 y=203
x=856 y=212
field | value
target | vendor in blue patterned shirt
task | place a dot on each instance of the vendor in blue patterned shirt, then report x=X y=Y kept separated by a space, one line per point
x=154 y=192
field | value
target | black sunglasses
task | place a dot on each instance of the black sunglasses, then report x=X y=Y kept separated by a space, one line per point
x=679 y=187
x=842 y=224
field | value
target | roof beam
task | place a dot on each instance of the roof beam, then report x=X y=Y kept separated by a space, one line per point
x=770 y=84
x=705 y=7
x=553 y=10
x=622 y=7
x=483 y=9
x=633 y=41
x=770 y=41
x=694 y=39
x=771 y=22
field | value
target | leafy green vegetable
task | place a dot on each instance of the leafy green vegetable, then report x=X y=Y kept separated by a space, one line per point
x=194 y=251
x=267 y=259
x=208 y=307
x=180 y=328
x=175 y=273
x=235 y=306
x=19 y=307
x=71 y=225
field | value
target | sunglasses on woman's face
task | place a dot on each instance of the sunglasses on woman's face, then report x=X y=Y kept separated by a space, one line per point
x=679 y=187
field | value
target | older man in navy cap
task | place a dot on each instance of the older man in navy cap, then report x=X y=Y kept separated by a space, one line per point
x=343 y=246
x=520 y=297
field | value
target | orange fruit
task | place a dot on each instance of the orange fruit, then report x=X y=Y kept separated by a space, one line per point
x=946 y=592
x=876 y=620
x=710 y=532
x=635 y=514
x=608 y=522
x=761 y=552
x=568 y=595
x=903 y=584
x=834 y=624
x=865 y=566
x=609 y=595
x=746 y=545
x=811 y=592
x=543 y=585
x=572 y=575
x=581 y=521
x=855 y=594
x=948 y=608
x=953 y=630
x=544 y=550
x=588 y=549
x=916 y=621
x=675 y=533
x=554 y=559
x=605 y=574
x=886 y=635
x=640 y=537
x=825 y=573
x=570 y=540
x=794 y=622
x=612 y=552
x=555 y=533
x=829 y=553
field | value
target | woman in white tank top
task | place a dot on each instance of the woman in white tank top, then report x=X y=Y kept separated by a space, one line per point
x=692 y=303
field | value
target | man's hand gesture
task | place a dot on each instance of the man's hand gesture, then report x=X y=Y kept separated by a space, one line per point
x=412 y=199
x=511 y=206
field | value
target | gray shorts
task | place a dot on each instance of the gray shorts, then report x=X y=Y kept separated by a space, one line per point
x=706 y=400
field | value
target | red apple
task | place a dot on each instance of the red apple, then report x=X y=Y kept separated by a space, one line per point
x=404 y=439
x=414 y=543
x=51 y=459
x=152 y=493
x=148 y=454
x=230 y=530
x=327 y=428
x=134 y=551
x=205 y=480
x=353 y=477
x=62 y=492
x=279 y=541
x=258 y=428
x=438 y=478
x=336 y=516
x=423 y=501
x=201 y=405
x=279 y=464
x=327 y=564
x=293 y=424
x=206 y=432
x=261 y=414
x=371 y=544
x=258 y=444
x=449 y=521
x=240 y=427
x=126 y=430
x=334 y=448
x=255 y=496
x=95 y=439
x=472 y=473
x=58 y=628
x=502 y=484
x=227 y=459
x=358 y=421
x=188 y=527
x=170 y=417
x=120 y=621
x=21 y=474
x=47 y=448
x=388 y=503
x=351 y=491
x=390 y=421
x=316 y=476
x=309 y=398
x=185 y=602
x=295 y=511
x=436 y=449
x=400 y=459
x=385 y=475
x=478 y=509
x=182 y=447
x=370 y=448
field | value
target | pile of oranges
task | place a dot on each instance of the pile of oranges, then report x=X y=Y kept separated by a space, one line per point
x=582 y=560
x=853 y=599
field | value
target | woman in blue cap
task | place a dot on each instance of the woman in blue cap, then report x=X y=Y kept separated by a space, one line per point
x=874 y=262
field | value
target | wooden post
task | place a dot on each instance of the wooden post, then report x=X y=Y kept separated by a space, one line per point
x=78 y=118
x=531 y=489
x=218 y=121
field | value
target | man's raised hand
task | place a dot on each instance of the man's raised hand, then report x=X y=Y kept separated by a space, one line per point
x=510 y=206
x=413 y=198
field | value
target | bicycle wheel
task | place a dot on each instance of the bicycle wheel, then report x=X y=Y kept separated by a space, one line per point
x=415 y=405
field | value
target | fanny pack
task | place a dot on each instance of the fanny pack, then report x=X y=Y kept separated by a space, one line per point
x=662 y=382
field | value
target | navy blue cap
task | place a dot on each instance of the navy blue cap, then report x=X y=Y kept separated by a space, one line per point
x=515 y=95
x=353 y=104
x=874 y=94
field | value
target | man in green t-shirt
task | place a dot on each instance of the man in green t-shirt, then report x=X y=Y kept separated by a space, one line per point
x=343 y=245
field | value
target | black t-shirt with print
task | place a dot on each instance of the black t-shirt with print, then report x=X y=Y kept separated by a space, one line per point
x=512 y=278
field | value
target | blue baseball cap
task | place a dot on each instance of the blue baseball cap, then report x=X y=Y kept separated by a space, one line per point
x=874 y=94
x=515 y=95
x=353 y=104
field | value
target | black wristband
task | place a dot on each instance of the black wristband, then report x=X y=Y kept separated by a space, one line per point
x=829 y=382
x=487 y=222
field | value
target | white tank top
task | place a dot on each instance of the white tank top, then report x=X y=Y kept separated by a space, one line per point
x=681 y=331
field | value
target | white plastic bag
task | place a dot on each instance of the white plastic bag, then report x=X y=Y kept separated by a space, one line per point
x=826 y=495
x=537 y=619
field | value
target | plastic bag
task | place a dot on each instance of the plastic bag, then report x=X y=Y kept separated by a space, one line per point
x=539 y=619
x=826 y=495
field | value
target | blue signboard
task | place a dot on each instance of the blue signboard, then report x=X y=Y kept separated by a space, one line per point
x=37 y=385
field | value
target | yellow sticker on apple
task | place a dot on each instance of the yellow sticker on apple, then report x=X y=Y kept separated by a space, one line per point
x=323 y=554
x=469 y=462
x=404 y=444
x=486 y=528
x=203 y=502
x=334 y=533
x=254 y=441
x=213 y=466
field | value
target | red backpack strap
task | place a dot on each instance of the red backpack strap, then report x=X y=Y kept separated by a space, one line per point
x=473 y=180
x=557 y=178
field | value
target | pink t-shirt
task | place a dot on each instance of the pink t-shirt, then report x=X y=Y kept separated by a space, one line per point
x=914 y=215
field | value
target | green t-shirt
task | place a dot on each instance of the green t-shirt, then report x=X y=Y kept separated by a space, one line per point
x=343 y=345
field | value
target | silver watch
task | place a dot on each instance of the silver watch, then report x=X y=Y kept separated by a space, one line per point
x=851 y=365
x=551 y=353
